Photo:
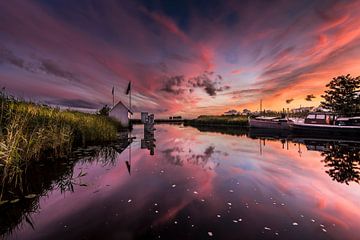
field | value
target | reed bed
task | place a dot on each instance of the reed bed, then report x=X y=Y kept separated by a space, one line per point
x=31 y=132
x=222 y=120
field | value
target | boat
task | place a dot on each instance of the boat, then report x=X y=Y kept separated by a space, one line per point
x=281 y=123
x=327 y=123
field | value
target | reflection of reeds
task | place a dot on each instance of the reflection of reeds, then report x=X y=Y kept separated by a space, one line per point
x=239 y=121
x=29 y=132
x=42 y=177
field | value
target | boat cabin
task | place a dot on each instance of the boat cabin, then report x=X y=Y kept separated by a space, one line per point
x=320 y=118
x=350 y=121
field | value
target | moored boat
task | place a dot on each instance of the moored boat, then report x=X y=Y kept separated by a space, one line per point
x=270 y=122
x=327 y=123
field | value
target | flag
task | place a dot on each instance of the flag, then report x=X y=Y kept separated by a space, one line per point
x=128 y=88
x=128 y=166
x=112 y=92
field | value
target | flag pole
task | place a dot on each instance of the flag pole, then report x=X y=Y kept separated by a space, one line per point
x=130 y=95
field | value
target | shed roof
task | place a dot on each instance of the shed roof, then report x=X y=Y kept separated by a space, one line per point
x=122 y=104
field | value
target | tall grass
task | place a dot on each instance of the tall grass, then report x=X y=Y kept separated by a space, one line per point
x=30 y=131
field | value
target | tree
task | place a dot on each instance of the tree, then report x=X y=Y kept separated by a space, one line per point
x=343 y=162
x=104 y=111
x=246 y=111
x=342 y=95
x=309 y=97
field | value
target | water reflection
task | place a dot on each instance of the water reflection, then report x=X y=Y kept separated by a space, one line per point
x=342 y=161
x=178 y=156
x=195 y=184
x=148 y=141
x=19 y=200
x=234 y=131
x=341 y=156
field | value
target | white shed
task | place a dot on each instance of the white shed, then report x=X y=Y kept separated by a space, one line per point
x=121 y=113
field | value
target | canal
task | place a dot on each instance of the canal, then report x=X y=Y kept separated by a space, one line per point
x=188 y=183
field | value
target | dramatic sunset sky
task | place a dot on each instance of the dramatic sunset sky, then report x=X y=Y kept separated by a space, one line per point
x=183 y=57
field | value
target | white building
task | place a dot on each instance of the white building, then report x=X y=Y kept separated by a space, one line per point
x=302 y=109
x=121 y=113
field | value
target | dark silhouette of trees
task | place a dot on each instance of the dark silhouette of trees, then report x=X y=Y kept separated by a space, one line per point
x=343 y=161
x=104 y=111
x=342 y=95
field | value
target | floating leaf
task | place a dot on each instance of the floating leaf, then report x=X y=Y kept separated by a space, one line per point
x=3 y=202
x=81 y=174
x=83 y=185
x=30 y=196
x=15 y=200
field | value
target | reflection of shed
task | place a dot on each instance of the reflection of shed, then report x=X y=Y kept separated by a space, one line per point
x=121 y=113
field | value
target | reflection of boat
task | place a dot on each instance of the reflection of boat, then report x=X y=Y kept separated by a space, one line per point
x=327 y=123
x=341 y=155
x=341 y=158
x=270 y=122
x=269 y=133
x=325 y=144
x=228 y=130
x=300 y=137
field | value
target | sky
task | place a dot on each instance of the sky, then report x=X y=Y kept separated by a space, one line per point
x=182 y=57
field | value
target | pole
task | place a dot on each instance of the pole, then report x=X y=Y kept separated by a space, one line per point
x=130 y=152
x=260 y=106
x=130 y=96
x=130 y=99
x=113 y=97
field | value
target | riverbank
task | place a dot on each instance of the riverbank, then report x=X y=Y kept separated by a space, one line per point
x=224 y=121
x=31 y=132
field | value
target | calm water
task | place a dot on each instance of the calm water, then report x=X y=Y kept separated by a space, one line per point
x=192 y=184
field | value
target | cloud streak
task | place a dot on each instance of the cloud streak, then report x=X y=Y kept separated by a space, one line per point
x=214 y=60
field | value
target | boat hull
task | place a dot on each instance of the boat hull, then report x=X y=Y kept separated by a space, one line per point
x=256 y=123
x=317 y=129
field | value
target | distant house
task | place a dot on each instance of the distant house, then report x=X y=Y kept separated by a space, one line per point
x=321 y=109
x=121 y=113
x=302 y=109
x=231 y=112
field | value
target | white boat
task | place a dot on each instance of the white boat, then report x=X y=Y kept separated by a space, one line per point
x=270 y=122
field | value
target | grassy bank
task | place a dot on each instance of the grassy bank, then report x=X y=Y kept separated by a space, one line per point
x=30 y=132
x=222 y=120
